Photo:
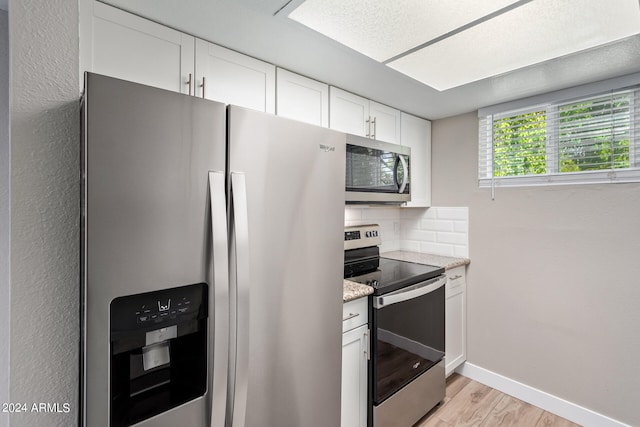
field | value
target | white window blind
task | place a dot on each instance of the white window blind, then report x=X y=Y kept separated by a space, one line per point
x=587 y=140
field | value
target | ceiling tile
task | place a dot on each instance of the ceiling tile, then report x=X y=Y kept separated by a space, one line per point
x=384 y=29
x=530 y=34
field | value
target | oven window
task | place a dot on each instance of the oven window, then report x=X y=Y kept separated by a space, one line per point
x=409 y=339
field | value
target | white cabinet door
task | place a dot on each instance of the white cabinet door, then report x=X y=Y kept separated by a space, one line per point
x=301 y=98
x=230 y=77
x=456 y=319
x=348 y=112
x=359 y=116
x=416 y=134
x=131 y=48
x=354 y=377
x=385 y=123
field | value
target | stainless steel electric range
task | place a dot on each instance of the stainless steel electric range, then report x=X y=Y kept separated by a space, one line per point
x=406 y=312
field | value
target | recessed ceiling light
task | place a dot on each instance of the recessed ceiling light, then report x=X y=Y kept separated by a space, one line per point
x=384 y=29
x=533 y=33
x=446 y=44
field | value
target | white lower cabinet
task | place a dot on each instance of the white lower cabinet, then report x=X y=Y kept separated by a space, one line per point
x=456 y=319
x=355 y=354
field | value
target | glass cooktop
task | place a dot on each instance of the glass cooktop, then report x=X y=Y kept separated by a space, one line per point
x=387 y=275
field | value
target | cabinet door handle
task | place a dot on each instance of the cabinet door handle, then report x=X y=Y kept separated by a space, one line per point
x=373 y=135
x=368 y=122
x=350 y=316
x=189 y=83
x=202 y=86
x=456 y=277
x=367 y=349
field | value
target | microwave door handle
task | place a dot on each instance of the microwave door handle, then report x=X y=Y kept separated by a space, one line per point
x=402 y=295
x=405 y=176
x=396 y=165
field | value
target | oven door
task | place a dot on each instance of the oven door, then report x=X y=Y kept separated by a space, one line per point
x=407 y=336
x=377 y=171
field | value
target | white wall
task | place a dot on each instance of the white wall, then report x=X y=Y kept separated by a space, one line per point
x=5 y=214
x=553 y=286
x=45 y=177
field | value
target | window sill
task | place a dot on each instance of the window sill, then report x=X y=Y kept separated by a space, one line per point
x=609 y=177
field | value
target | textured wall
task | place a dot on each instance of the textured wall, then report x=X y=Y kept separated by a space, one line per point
x=5 y=214
x=553 y=281
x=45 y=178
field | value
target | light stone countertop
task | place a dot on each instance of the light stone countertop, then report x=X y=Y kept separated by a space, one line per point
x=353 y=290
x=438 y=260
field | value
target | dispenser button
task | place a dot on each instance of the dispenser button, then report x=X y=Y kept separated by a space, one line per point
x=142 y=319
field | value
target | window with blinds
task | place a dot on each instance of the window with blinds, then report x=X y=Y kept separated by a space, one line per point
x=588 y=140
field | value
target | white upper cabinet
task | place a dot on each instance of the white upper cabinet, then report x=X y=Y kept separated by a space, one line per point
x=416 y=134
x=348 y=112
x=359 y=116
x=385 y=122
x=230 y=77
x=131 y=48
x=301 y=98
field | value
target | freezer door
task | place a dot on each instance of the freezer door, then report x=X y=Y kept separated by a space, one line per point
x=147 y=223
x=287 y=218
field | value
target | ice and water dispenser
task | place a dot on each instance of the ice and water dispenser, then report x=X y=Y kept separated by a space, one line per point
x=158 y=352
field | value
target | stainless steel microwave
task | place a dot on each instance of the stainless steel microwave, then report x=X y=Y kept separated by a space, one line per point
x=377 y=172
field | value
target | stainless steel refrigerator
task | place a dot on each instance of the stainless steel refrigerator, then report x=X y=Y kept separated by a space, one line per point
x=211 y=263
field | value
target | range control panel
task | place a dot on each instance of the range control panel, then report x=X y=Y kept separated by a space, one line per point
x=362 y=236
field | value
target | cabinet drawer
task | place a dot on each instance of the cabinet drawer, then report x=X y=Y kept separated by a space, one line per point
x=354 y=313
x=455 y=281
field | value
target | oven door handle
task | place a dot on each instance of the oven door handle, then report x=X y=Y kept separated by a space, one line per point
x=405 y=295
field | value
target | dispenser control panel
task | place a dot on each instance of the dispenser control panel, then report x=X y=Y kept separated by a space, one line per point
x=154 y=309
x=150 y=312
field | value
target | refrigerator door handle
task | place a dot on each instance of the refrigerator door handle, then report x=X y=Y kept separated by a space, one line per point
x=219 y=295
x=243 y=283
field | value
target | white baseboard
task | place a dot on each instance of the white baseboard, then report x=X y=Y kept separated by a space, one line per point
x=548 y=402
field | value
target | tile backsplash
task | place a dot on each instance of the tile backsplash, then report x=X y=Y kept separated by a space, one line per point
x=436 y=230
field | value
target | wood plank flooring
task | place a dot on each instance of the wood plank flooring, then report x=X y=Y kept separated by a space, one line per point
x=469 y=403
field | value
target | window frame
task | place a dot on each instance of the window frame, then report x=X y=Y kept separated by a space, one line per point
x=553 y=176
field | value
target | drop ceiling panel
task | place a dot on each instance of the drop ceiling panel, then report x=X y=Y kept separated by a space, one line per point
x=384 y=29
x=530 y=34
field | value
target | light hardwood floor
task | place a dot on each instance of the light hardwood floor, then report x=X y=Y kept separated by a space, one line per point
x=469 y=403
